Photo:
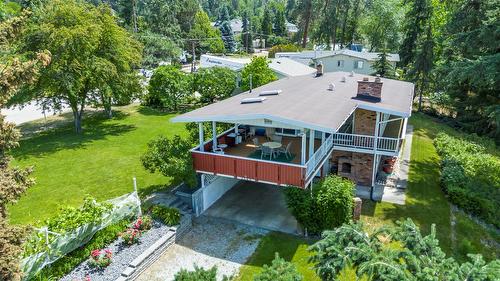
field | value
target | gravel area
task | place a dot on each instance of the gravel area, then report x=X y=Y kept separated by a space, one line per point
x=210 y=242
x=122 y=255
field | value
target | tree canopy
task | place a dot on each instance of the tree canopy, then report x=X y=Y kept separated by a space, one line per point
x=93 y=59
x=215 y=83
x=257 y=72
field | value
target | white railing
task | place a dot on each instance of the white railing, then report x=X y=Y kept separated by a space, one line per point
x=319 y=155
x=366 y=142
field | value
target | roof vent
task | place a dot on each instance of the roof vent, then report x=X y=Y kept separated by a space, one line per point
x=252 y=100
x=351 y=74
x=319 y=69
x=343 y=79
x=331 y=87
x=270 y=93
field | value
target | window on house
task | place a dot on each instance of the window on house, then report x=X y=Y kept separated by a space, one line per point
x=287 y=132
x=358 y=64
x=340 y=63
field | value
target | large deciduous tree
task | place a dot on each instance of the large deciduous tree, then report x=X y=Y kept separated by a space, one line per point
x=381 y=25
x=93 y=59
x=215 y=83
x=168 y=88
x=14 y=71
x=256 y=73
x=207 y=38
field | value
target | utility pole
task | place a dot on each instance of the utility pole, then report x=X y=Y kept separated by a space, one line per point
x=134 y=14
x=193 y=66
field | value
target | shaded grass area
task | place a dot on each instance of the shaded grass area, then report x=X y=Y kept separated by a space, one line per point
x=291 y=248
x=426 y=204
x=100 y=162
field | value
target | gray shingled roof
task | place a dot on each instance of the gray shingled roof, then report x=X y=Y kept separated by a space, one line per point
x=362 y=55
x=305 y=101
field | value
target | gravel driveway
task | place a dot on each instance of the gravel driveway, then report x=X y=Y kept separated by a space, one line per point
x=211 y=242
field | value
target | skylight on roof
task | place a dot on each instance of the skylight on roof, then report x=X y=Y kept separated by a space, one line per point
x=270 y=93
x=252 y=100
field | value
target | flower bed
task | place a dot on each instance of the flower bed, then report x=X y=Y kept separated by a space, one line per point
x=122 y=255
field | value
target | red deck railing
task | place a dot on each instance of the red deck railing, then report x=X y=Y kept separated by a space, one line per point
x=249 y=169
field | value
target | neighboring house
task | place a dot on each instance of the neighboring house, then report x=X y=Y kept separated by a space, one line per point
x=340 y=60
x=349 y=60
x=341 y=123
x=291 y=29
x=236 y=25
x=283 y=67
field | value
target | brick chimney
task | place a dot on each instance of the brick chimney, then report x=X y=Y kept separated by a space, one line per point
x=319 y=69
x=370 y=90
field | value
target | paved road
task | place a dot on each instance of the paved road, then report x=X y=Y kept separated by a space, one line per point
x=28 y=113
x=211 y=242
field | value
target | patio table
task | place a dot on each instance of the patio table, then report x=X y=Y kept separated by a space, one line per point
x=272 y=145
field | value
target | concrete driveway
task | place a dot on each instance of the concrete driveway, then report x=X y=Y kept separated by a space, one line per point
x=256 y=204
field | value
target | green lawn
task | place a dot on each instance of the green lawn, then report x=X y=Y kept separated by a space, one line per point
x=290 y=248
x=426 y=203
x=101 y=162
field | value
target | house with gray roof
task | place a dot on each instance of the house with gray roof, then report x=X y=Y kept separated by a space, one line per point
x=297 y=129
x=349 y=60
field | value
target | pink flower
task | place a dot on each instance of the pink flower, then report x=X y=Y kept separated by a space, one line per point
x=95 y=253
x=87 y=278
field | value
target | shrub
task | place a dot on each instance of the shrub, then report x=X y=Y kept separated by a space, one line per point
x=329 y=206
x=172 y=158
x=65 y=264
x=279 y=270
x=199 y=274
x=143 y=223
x=131 y=236
x=67 y=220
x=215 y=83
x=169 y=216
x=470 y=175
x=100 y=258
x=393 y=253
x=283 y=48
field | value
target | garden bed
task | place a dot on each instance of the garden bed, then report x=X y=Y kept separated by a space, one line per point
x=122 y=255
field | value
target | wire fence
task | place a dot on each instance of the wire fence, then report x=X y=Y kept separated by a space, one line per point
x=125 y=206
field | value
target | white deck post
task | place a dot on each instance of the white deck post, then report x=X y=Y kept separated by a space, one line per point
x=403 y=131
x=201 y=136
x=323 y=137
x=311 y=144
x=236 y=133
x=376 y=159
x=214 y=135
x=377 y=128
x=303 y=150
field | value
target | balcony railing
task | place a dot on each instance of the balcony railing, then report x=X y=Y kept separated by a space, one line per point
x=384 y=144
x=319 y=156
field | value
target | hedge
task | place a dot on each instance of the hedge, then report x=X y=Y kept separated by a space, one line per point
x=470 y=176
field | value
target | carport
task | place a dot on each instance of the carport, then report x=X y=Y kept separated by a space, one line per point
x=256 y=204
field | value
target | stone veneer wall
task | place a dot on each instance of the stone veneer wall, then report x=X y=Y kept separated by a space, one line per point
x=364 y=122
x=361 y=165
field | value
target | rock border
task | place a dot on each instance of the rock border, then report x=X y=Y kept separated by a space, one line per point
x=144 y=260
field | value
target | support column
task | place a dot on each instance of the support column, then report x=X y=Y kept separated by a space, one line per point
x=214 y=135
x=303 y=149
x=236 y=133
x=403 y=131
x=323 y=137
x=201 y=136
x=311 y=144
x=377 y=129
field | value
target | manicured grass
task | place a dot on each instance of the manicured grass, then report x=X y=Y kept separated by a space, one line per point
x=426 y=204
x=291 y=248
x=100 y=162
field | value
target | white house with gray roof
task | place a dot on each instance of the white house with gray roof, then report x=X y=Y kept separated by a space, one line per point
x=296 y=129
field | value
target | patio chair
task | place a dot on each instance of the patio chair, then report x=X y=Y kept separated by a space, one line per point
x=286 y=150
x=266 y=151
x=256 y=144
x=277 y=138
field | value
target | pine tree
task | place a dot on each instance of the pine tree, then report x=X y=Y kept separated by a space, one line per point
x=246 y=37
x=383 y=67
x=279 y=23
x=226 y=30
